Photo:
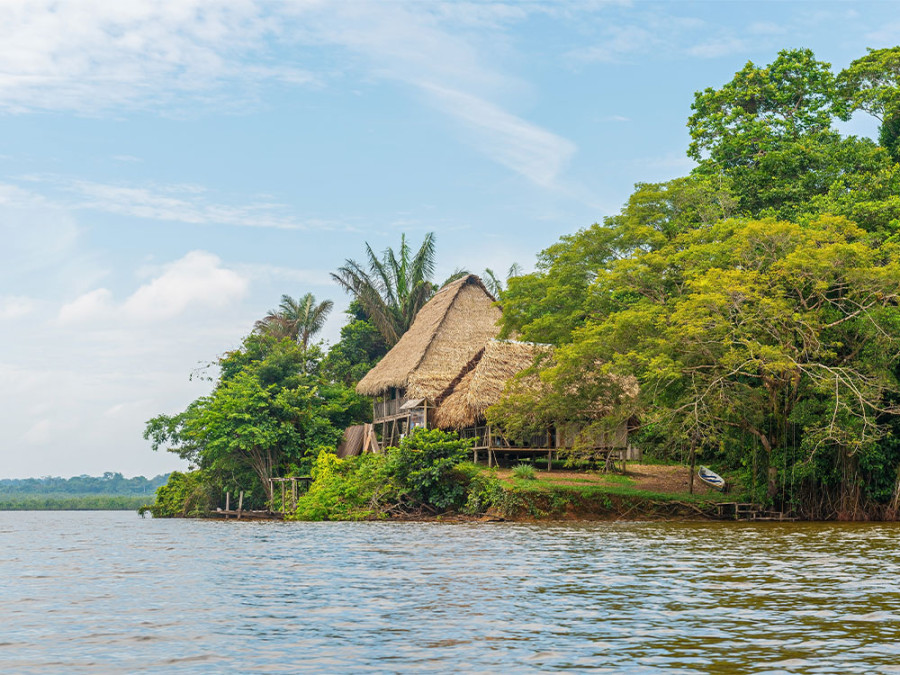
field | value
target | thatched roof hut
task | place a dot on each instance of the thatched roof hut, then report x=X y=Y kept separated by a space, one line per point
x=480 y=385
x=446 y=334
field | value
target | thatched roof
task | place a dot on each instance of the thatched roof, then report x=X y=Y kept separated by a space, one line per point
x=481 y=384
x=446 y=334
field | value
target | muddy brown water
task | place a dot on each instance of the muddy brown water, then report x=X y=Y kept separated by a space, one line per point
x=108 y=592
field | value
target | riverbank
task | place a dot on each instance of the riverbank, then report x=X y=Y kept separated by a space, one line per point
x=643 y=492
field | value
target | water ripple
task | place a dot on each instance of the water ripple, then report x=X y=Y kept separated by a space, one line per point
x=109 y=592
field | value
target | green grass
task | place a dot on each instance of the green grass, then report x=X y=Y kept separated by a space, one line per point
x=623 y=487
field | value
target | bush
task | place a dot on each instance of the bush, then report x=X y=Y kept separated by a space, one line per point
x=185 y=495
x=426 y=469
x=524 y=472
x=346 y=489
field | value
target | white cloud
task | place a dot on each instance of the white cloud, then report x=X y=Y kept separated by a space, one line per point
x=767 y=28
x=88 y=55
x=96 y=55
x=716 y=47
x=885 y=36
x=443 y=51
x=39 y=433
x=183 y=203
x=617 y=43
x=535 y=153
x=92 y=305
x=15 y=306
x=198 y=280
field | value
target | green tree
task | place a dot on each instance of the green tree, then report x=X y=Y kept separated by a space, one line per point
x=769 y=131
x=393 y=288
x=298 y=319
x=872 y=84
x=361 y=346
x=763 y=109
x=549 y=304
x=268 y=411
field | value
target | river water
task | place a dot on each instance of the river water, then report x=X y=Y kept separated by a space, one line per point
x=108 y=592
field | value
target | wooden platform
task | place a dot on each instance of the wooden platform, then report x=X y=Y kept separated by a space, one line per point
x=749 y=511
x=247 y=515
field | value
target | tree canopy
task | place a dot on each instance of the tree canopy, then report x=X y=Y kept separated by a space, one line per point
x=755 y=301
x=270 y=410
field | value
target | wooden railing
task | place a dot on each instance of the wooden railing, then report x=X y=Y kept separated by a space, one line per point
x=388 y=408
x=480 y=434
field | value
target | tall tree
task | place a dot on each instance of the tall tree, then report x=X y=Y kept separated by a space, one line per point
x=299 y=319
x=268 y=410
x=872 y=83
x=392 y=288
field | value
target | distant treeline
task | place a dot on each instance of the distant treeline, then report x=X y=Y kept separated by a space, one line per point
x=60 y=502
x=81 y=486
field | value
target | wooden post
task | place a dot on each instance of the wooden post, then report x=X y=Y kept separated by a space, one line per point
x=293 y=494
x=227 y=502
x=240 y=504
x=283 y=486
x=693 y=454
x=550 y=460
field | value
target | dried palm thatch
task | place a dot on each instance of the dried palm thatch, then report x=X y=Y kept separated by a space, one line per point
x=482 y=382
x=447 y=333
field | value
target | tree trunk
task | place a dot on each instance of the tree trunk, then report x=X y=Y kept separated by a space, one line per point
x=772 y=487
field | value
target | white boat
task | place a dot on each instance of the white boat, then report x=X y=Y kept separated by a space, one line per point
x=711 y=478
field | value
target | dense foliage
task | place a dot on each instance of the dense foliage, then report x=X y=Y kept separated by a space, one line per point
x=755 y=301
x=109 y=483
x=269 y=413
x=427 y=473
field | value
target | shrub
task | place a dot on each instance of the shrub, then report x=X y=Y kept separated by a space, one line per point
x=425 y=467
x=345 y=489
x=185 y=495
x=524 y=472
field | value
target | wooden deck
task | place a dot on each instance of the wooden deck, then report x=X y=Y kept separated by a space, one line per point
x=749 y=511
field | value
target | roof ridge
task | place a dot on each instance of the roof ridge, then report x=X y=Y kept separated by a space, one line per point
x=440 y=323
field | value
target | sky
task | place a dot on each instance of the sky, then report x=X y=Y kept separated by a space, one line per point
x=169 y=169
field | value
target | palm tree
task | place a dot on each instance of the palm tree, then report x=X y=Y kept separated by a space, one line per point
x=495 y=285
x=298 y=319
x=393 y=288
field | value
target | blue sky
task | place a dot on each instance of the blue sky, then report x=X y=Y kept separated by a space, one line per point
x=169 y=169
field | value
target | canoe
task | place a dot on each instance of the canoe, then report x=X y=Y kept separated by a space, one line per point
x=711 y=478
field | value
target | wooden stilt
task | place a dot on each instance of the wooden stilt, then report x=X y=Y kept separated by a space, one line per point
x=549 y=460
x=693 y=455
x=240 y=504
x=227 y=501
x=293 y=494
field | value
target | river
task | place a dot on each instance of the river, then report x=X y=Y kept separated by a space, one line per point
x=108 y=592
